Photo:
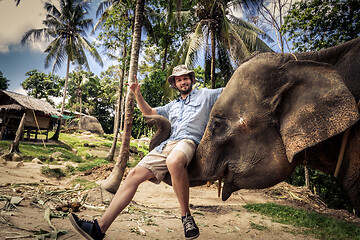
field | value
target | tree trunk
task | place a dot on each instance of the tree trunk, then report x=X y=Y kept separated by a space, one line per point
x=15 y=145
x=165 y=57
x=80 y=111
x=307 y=178
x=110 y=155
x=57 y=133
x=212 y=56
x=112 y=183
x=122 y=113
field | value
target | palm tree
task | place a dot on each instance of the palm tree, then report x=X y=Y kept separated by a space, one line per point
x=112 y=183
x=232 y=37
x=66 y=27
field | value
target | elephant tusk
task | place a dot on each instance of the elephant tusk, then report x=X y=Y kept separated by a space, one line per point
x=219 y=186
x=342 y=149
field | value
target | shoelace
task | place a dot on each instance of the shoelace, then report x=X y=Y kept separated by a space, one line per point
x=188 y=223
x=86 y=220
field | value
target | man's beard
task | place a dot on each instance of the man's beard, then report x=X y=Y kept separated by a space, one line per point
x=186 y=91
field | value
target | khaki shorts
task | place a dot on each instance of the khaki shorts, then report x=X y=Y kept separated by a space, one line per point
x=156 y=162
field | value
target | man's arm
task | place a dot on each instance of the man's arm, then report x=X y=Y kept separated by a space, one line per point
x=142 y=104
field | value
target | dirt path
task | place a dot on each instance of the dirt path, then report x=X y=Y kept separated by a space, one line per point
x=153 y=214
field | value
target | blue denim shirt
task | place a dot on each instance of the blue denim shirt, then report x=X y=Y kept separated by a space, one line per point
x=189 y=116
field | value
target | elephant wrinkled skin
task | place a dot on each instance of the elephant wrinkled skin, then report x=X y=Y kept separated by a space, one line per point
x=282 y=110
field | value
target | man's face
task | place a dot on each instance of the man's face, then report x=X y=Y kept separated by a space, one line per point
x=183 y=83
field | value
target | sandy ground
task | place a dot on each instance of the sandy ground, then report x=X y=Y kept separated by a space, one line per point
x=153 y=213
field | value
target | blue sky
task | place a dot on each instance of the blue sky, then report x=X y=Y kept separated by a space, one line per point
x=15 y=59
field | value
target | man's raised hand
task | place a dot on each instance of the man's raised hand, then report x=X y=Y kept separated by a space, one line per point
x=135 y=86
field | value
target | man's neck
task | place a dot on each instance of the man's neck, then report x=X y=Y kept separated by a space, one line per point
x=183 y=96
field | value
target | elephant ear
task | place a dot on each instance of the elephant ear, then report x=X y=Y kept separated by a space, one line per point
x=312 y=106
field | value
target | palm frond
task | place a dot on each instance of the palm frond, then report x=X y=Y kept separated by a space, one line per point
x=238 y=21
x=88 y=46
x=196 y=43
x=37 y=34
x=103 y=6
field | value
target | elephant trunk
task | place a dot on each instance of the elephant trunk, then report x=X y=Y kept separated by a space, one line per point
x=163 y=129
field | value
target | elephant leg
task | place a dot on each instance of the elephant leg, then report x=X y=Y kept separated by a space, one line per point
x=350 y=169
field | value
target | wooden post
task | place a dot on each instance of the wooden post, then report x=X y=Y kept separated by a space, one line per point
x=15 y=145
x=3 y=126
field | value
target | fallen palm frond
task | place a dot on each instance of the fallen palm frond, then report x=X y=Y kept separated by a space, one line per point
x=11 y=202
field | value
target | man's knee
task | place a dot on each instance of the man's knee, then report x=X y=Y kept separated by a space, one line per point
x=139 y=174
x=176 y=161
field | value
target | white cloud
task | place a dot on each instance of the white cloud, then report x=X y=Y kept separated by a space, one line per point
x=15 y=21
x=20 y=90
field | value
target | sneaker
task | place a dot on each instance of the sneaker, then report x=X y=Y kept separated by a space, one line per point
x=89 y=229
x=190 y=228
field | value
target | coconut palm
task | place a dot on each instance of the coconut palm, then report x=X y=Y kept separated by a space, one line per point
x=66 y=28
x=232 y=37
x=113 y=181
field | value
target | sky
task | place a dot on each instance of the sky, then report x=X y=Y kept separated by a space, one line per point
x=16 y=59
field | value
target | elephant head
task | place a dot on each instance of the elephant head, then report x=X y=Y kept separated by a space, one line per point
x=272 y=109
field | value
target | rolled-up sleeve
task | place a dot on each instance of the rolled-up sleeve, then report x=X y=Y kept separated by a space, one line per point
x=164 y=110
x=214 y=95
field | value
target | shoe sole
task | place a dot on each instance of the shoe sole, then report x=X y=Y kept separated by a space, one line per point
x=193 y=237
x=78 y=229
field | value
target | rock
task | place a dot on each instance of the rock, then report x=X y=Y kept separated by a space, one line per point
x=37 y=161
x=20 y=164
x=92 y=145
x=3 y=161
x=56 y=155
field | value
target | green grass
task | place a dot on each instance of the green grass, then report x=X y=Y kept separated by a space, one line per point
x=91 y=164
x=259 y=227
x=75 y=148
x=318 y=225
x=30 y=151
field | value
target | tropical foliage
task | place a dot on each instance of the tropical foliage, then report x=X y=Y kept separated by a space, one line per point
x=42 y=86
x=4 y=82
x=97 y=96
x=315 y=24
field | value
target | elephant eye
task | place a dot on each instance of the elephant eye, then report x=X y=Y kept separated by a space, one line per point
x=217 y=126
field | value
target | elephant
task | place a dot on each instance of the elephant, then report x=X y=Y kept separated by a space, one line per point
x=281 y=110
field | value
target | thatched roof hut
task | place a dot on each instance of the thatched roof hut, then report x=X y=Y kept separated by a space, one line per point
x=40 y=115
x=16 y=101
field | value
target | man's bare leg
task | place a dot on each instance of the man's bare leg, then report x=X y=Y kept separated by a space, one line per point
x=124 y=195
x=176 y=163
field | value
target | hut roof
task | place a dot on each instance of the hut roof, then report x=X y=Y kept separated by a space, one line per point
x=27 y=102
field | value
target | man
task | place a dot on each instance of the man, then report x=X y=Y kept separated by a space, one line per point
x=188 y=116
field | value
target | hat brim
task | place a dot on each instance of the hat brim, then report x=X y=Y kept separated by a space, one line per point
x=171 y=79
